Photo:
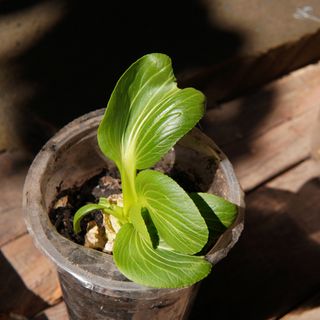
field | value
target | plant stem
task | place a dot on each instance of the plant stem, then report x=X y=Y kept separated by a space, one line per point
x=128 y=180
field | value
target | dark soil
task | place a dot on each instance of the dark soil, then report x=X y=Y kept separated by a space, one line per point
x=101 y=185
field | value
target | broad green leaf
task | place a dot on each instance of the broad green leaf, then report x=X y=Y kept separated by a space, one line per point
x=218 y=212
x=175 y=216
x=158 y=268
x=138 y=222
x=82 y=212
x=147 y=113
x=142 y=222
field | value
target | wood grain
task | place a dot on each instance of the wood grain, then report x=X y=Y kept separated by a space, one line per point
x=270 y=106
x=242 y=74
x=258 y=159
x=268 y=131
x=13 y=169
x=29 y=280
x=275 y=265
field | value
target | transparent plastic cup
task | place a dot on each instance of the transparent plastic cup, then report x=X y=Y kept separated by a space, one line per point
x=92 y=286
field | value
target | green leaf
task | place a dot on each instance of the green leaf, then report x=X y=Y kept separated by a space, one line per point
x=217 y=212
x=142 y=222
x=147 y=113
x=175 y=216
x=82 y=212
x=103 y=205
x=158 y=268
x=104 y=202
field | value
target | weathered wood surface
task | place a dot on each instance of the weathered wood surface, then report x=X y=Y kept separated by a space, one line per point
x=274 y=267
x=236 y=45
x=268 y=131
x=29 y=280
x=13 y=169
x=266 y=40
x=275 y=264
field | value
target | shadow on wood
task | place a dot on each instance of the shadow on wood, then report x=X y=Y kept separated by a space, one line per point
x=76 y=63
x=16 y=298
x=275 y=264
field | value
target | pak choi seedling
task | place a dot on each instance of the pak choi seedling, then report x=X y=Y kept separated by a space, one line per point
x=162 y=229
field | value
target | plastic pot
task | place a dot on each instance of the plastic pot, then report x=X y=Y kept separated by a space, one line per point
x=92 y=286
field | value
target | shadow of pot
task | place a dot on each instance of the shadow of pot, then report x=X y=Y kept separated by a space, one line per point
x=92 y=286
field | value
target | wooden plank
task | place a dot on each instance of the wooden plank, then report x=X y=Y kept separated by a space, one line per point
x=258 y=159
x=294 y=179
x=243 y=74
x=275 y=265
x=57 y=312
x=270 y=106
x=11 y=224
x=29 y=280
x=264 y=40
x=267 y=132
x=309 y=309
x=13 y=169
